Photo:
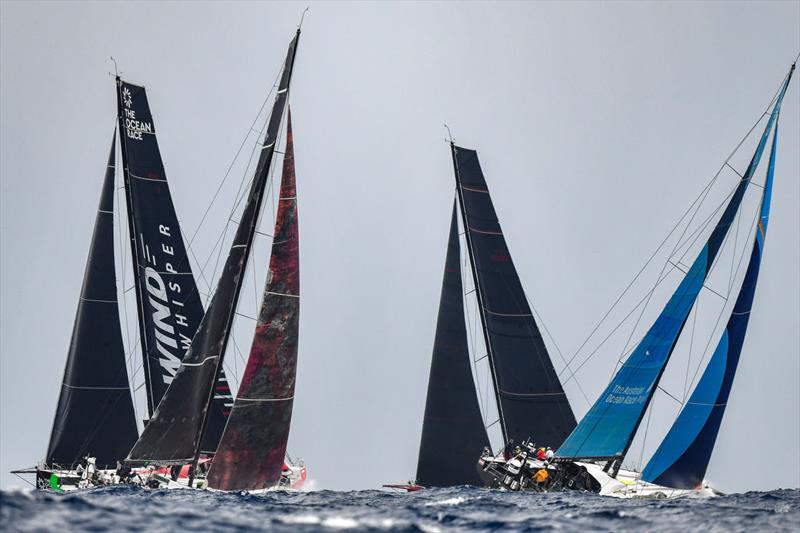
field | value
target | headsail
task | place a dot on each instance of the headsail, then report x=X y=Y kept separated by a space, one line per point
x=683 y=456
x=95 y=410
x=529 y=394
x=169 y=306
x=173 y=433
x=607 y=430
x=253 y=447
x=453 y=432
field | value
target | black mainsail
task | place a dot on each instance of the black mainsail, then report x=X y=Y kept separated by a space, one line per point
x=453 y=433
x=168 y=303
x=530 y=398
x=173 y=434
x=95 y=412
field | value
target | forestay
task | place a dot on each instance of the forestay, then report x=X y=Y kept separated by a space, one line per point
x=173 y=433
x=683 y=456
x=453 y=432
x=95 y=412
x=251 y=453
x=607 y=430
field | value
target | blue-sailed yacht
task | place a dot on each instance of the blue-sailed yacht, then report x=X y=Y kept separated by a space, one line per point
x=590 y=458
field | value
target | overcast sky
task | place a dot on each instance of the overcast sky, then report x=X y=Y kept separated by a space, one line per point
x=597 y=124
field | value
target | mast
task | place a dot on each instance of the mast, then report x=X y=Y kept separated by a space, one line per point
x=174 y=433
x=252 y=451
x=95 y=412
x=607 y=431
x=531 y=399
x=169 y=308
x=682 y=458
x=478 y=293
x=134 y=252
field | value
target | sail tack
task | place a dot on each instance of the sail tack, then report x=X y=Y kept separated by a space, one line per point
x=253 y=447
x=173 y=433
x=95 y=412
x=453 y=434
x=168 y=302
x=682 y=457
x=607 y=430
x=530 y=398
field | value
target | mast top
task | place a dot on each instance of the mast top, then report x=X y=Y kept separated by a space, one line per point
x=302 y=17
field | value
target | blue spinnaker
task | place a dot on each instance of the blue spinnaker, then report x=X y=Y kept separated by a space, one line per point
x=607 y=430
x=682 y=458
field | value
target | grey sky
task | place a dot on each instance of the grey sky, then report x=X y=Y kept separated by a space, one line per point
x=596 y=124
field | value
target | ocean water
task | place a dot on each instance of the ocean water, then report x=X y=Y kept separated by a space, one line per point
x=452 y=509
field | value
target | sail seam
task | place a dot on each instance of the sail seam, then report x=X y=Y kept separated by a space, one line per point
x=282 y=294
x=94 y=388
x=131 y=174
x=533 y=393
x=506 y=314
x=265 y=399
x=98 y=301
x=201 y=363
x=485 y=232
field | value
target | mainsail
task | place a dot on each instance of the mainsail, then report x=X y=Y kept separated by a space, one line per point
x=253 y=447
x=168 y=302
x=95 y=410
x=607 y=430
x=530 y=398
x=683 y=456
x=453 y=433
x=173 y=434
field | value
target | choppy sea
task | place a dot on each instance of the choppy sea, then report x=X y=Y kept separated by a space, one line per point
x=452 y=509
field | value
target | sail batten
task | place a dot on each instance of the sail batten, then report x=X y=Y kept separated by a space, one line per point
x=682 y=458
x=174 y=432
x=453 y=434
x=529 y=395
x=608 y=429
x=168 y=302
x=252 y=450
x=95 y=413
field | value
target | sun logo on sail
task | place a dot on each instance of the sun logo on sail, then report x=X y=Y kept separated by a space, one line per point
x=126 y=97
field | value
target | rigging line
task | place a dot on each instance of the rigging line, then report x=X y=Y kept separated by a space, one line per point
x=665 y=391
x=641 y=270
x=648 y=298
x=553 y=340
x=696 y=310
x=708 y=186
x=236 y=156
x=572 y=375
x=735 y=246
x=624 y=319
x=650 y=409
x=677 y=246
x=470 y=325
x=720 y=315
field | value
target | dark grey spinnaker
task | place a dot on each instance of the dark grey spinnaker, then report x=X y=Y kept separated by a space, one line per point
x=95 y=414
x=173 y=434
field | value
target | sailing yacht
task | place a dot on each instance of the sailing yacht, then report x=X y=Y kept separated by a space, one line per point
x=95 y=422
x=250 y=454
x=591 y=457
x=95 y=426
x=528 y=393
